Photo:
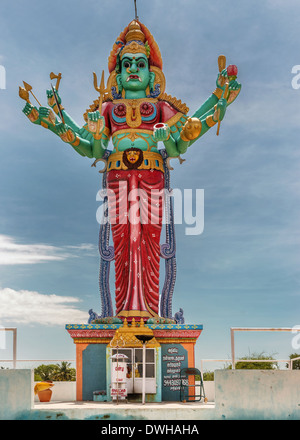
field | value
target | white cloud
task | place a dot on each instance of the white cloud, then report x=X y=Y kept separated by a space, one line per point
x=13 y=253
x=29 y=307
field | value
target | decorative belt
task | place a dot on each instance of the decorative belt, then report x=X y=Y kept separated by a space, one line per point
x=135 y=159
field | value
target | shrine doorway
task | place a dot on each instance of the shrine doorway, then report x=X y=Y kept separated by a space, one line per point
x=135 y=369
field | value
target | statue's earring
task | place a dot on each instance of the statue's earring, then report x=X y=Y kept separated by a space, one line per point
x=119 y=82
x=154 y=91
x=151 y=81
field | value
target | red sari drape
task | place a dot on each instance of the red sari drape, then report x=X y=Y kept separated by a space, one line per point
x=135 y=199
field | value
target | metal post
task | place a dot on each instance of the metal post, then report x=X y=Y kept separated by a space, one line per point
x=14 y=348
x=14 y=330
x=144 y=373
x=232 y=348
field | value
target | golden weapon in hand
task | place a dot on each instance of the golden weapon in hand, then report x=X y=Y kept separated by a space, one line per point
x=102 y=90
x=28 y=88
x=57 y=77
x=222 y=66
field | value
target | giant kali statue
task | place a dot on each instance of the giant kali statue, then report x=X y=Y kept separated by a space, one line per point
x=134 y=111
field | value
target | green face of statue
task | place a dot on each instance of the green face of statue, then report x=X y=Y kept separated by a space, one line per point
x=135 y=76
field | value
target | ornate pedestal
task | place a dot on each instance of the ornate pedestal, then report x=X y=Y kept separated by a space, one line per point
x=172 y=350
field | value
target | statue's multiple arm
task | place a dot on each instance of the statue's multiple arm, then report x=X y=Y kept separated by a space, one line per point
x=84 y=142
x=178 y=140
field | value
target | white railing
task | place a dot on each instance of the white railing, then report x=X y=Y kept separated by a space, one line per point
x=14 y=330
x=292 y=360
x=211 y=360
x=232 y=361
x=31 y=362
x=270 y=361
x=255 y=329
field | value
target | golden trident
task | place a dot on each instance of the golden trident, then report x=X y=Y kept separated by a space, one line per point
x=102 y=90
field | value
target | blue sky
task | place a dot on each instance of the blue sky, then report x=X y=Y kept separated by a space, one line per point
x=244 y=269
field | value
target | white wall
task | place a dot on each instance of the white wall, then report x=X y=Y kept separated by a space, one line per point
x=62 y=391
x=209 y=390
x=257 y=394
x=15 y=393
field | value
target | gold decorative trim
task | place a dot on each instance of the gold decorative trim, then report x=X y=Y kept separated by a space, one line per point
x=133 y=131
x=76 y=142
x=180 y=106
x=135 y=313
x=138 y=100
x=175 y=119
x=176 y=340
x=125 y=336
x=133 y=113
x=106 y=132
x=134 y=47
x=134 y=32
x=218 y=92
x=152 y=158
x=91 y=340
x=209 y=121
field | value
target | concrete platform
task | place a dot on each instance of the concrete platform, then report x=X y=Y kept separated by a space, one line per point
x=123 y=411
x=239 y=395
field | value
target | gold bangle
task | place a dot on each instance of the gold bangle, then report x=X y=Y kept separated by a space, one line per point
x=97 y=137
x=56 y=111
x=209 y=121
x=218 y=92
x=76 y=142
x=168 y=136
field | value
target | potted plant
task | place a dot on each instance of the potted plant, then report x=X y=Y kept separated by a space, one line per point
x=43 y=390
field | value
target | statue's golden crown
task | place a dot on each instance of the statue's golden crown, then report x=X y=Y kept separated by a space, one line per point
x=135 y=38
x=134 y=47
x=135 y=32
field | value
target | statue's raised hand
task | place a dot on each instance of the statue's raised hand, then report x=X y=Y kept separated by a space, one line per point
x=161 y=132
x=51 y=99
x=221 y=79
x=96 y=124
x=220 y=110
x=32 y=113
x=47 y=115
x=229 y=75
x=65 y=132
x=234 y=89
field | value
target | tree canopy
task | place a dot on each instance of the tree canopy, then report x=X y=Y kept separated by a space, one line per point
x=55 y=372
